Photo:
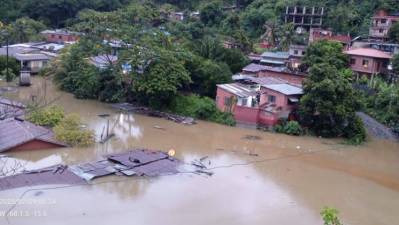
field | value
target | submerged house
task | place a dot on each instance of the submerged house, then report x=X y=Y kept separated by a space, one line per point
x=369 y=61
x=259 y=101
x=17 y=134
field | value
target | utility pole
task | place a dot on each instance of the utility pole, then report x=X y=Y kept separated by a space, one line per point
x=8 y=78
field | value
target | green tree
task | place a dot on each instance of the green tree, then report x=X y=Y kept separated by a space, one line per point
x=25 y=30
x=212 y=13
x=329 y=104
x=328 y=52
x=159 y=79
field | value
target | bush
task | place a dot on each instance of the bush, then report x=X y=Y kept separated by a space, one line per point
x=48 y=117
x=355 y=131
x=330 y=216
x=200 y=108
x=71 y=132
x=290 y=128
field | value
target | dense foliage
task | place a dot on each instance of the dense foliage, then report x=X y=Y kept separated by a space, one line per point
x=289 y=127
x=328 y=105
x=330 y=216
x=70 y=131
x=13 y=67
x=49 y=117
x=201 y=108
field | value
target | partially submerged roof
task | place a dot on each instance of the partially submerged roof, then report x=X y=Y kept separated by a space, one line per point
x=369 y=52
x=286 y=89
x=15 y=132
x=238 y=90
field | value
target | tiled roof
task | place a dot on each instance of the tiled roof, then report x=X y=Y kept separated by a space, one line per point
x=369 y=52
x=15 y=132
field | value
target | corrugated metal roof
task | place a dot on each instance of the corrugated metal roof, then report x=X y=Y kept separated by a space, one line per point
x=286 y=89
x=103 y=61
x=253 y=67
x=276 y=55
x=238 y=90
x=17 y=132
x=31 y=57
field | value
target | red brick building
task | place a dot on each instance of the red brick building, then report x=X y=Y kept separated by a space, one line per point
x=60 y=36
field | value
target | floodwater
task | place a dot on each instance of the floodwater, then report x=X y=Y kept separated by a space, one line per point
x=289 y=182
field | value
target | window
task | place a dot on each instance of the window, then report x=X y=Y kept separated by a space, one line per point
x=353 y=61
x=303 y=52
x=244 y=102
x=59 y=37
x=383 y=21
x=381 y=31
x=365 y=63
x=295 y=52
x=227 y=101
x=272 y=98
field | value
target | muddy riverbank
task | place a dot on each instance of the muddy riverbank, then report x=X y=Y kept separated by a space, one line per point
x=270 y=179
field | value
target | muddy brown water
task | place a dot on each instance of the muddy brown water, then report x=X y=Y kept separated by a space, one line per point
x=289 y=181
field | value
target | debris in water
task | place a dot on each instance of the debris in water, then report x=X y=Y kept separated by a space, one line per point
x=159 y=127
x=252 y=137
x=149 y=112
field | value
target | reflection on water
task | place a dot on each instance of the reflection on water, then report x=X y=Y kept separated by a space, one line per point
x=288 y=182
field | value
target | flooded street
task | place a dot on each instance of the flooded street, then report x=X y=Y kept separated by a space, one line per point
x=271 y=179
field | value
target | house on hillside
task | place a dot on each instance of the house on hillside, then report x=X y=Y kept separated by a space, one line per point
x=61 y=36
x=296 y=52
x=17 y=134
x=275 y=59
x=381 y=22
x=369 y=61
x=258 y=101
x=317 y=34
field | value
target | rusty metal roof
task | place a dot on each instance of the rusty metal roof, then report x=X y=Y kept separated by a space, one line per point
x=14 y=132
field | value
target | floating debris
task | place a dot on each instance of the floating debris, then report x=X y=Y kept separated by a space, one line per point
x=252 y=137
x=149 y=112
